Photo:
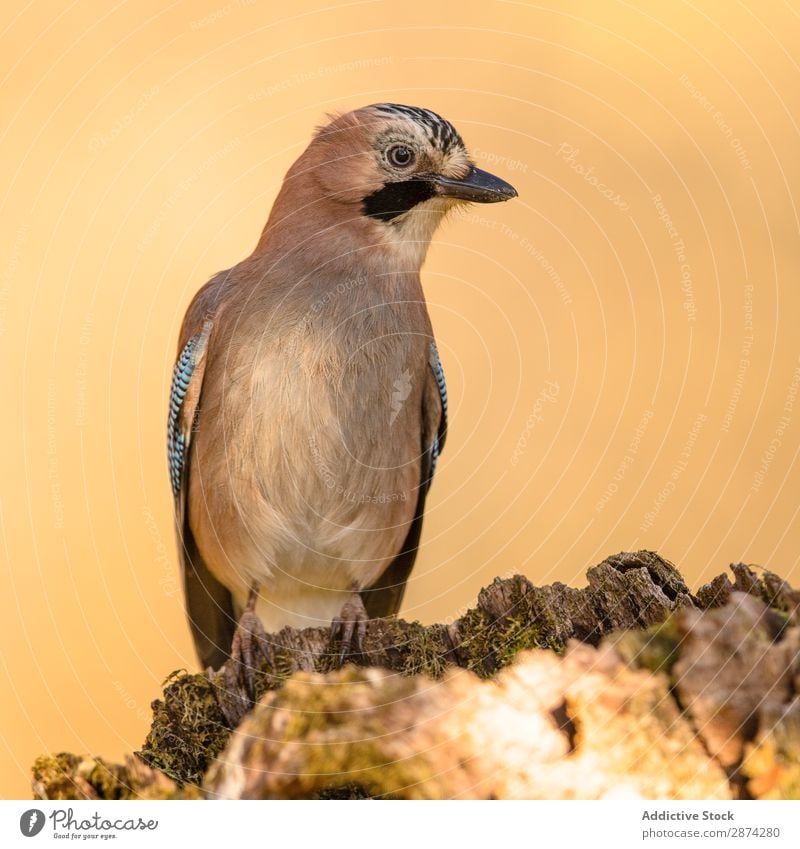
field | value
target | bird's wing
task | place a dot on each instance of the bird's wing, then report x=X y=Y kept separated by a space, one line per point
x=386 y=595
x=209 y=605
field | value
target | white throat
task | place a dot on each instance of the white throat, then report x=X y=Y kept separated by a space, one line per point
x=410 y=234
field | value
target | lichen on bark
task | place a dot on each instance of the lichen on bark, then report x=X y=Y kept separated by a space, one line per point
x=627 y=686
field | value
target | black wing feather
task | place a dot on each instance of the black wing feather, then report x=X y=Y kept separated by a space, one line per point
x=209 y=604
x=385 y=596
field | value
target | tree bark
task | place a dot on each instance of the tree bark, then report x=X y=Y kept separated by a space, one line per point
x=630 y=686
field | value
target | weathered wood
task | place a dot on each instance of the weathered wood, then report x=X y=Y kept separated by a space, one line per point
x=628 y=686
x=595 y=723
x=628 y=590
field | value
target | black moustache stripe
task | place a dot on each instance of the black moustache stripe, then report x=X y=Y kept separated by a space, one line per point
x=396 y=198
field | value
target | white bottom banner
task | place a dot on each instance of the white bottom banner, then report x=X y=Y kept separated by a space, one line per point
x=387 y=824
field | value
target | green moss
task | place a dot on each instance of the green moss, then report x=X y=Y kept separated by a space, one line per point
x=427 y=654
x=510 y=637
x=491 y=645
x=174 y=676
x=655 y=649
x=111 y=782
x=549 y=626
x=188 y=729
x=346 y=791
x=54 y=772
x=66 y=777
x=327 y=661
x=472 y=649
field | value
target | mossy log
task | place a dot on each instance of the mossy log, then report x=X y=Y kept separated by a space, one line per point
x=67 y=776
x=631 y=686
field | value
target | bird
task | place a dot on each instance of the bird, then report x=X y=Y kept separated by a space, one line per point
x=308 y=404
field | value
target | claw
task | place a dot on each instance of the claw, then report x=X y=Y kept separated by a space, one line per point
x=248 y=651
x=248 y=648
x=350 y=627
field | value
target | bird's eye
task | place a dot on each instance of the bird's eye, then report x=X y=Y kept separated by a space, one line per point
x=400 y=156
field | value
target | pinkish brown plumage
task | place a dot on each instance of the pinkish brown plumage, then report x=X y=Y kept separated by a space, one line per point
x=308 y=403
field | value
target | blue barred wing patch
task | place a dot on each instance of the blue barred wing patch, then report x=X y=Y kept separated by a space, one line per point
x=438 y=373
x=177 y=441
x=434 y=455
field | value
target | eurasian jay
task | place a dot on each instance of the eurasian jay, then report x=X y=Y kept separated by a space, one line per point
x=308 y=404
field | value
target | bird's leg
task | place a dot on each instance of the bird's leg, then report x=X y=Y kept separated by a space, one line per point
x=247 y=650
x=350 y=626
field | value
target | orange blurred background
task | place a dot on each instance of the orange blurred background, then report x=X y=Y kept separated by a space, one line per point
x=621 y=342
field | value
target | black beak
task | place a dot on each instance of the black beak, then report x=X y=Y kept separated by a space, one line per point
x=478 y=186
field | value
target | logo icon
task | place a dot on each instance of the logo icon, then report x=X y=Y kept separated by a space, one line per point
x=402 y=389
x=31 y=822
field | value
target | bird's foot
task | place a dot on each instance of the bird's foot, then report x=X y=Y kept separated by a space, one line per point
x=350 y=627
x=248 y=651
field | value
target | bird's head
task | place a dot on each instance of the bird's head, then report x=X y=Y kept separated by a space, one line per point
x=390 y=173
